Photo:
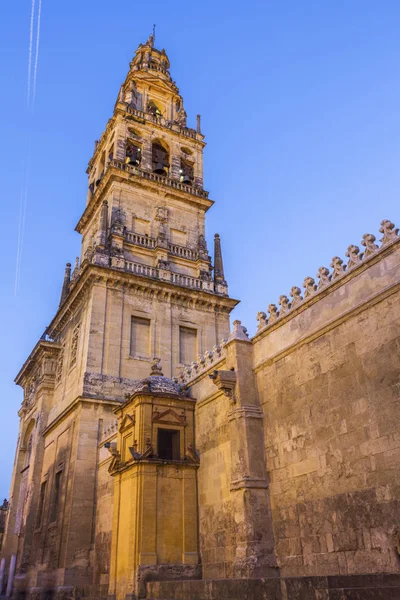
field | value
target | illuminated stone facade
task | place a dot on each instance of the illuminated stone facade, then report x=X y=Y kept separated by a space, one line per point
x=159 y=453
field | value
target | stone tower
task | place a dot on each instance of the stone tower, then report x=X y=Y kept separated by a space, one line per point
x=143 y=288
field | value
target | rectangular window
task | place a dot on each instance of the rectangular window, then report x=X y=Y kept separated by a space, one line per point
x=56 y=496
x=41 y=504
x=168 y=444
x=187 y=345
x=140 y=337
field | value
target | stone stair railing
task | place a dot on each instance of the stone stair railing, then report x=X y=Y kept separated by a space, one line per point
x=204 y=362
x=326 y=277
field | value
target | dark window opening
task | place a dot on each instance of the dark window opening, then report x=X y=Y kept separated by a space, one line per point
x=41 y=504
x=168 y=444
x=56 y=496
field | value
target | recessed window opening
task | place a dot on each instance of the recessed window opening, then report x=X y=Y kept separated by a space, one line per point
x=140 y=337
x=100 y=169
x=187 y=345
x=168 y=444
x=41 y=504
x=56 y=496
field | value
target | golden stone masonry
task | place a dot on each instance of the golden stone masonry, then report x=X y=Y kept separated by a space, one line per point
x=162 y=456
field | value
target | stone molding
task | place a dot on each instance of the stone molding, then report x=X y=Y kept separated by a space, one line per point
x=92 y=274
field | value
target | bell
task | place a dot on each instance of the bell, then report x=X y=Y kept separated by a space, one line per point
x=160 y=169
x=186 y=179
x=132 y=160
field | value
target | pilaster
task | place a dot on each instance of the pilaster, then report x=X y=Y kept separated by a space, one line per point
x=255 y=555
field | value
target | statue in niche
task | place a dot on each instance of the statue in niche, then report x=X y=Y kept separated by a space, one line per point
x=31 y=391
x=162 y=218
x=132 y=96
x=162 y=214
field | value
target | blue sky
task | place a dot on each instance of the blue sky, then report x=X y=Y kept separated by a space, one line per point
x=300 y=105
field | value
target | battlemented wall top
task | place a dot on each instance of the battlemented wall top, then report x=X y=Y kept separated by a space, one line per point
x=311 y=289
x=327 y=277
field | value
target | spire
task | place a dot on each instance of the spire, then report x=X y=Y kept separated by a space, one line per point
x=67 y=279
x=218 y=264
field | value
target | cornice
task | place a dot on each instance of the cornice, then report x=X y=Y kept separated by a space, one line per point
x=140 y=398
x=41 y=349
x=164 y=290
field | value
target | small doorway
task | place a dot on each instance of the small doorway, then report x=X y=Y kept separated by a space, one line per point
x=168 y=444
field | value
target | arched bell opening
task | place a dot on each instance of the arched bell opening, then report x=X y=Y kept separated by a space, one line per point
x=186 y=172
x=154 y=109
x=133 y=153
x=160 y=158
x=100 y=169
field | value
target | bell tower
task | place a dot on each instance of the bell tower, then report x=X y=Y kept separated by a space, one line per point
x=145 y=217
x=143 y=287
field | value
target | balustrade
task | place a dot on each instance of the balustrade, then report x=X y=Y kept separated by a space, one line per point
x=158 y=178
x=140 y=239
x=175 y=278
x=140 y=269
x=160 y=120
x=183 y=251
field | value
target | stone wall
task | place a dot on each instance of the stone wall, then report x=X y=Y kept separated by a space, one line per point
x=327 y=373
x=329 y=386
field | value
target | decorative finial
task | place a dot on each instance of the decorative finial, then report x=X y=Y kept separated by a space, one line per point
x=156 y=370
x=67 y=279
x=218 y=263
x=76 y=269
x=262 y=320
x=239 y=332
x=198 y=123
